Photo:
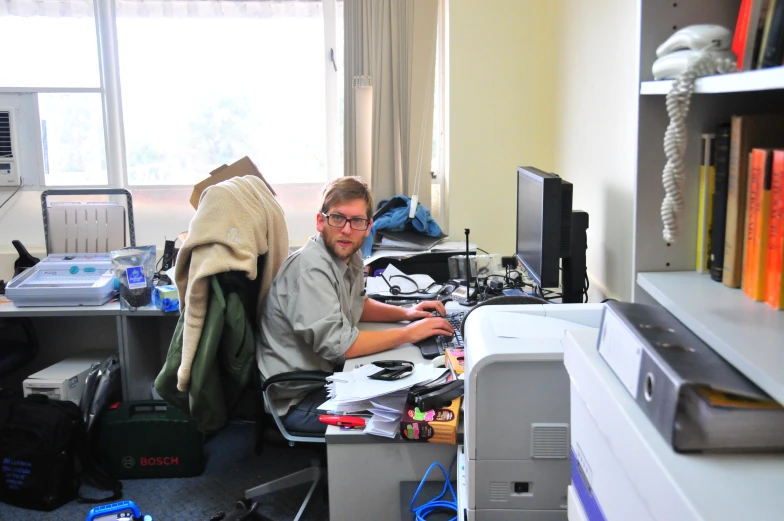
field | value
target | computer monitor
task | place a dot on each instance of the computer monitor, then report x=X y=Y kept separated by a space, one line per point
x=544 y=214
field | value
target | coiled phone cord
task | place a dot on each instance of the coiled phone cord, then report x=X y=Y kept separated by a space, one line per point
x=678 y=100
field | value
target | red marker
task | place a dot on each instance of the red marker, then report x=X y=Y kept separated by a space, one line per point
x=342 y=421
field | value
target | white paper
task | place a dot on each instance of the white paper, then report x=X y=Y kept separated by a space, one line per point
x=388 y=429
x=384 y=415
x=393 y=402
x=456 y=246
x=511 y=324
x=353 y=386
x=378 y=286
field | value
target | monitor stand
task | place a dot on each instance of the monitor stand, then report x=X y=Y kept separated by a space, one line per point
x=574 y=267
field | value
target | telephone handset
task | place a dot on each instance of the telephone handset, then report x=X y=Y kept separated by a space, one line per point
x=685 y=45
x=691 y=52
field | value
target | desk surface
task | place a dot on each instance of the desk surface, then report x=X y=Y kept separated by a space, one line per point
x=111 y=308
x=406 y=351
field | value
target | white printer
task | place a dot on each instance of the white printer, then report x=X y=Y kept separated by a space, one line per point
x=515 y=462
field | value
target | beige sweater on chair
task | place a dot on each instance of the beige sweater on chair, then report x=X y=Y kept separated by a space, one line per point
x=236 y=221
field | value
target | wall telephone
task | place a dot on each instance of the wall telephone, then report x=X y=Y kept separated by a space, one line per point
x=691 y=52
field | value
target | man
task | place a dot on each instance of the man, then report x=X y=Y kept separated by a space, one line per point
x=317 y=299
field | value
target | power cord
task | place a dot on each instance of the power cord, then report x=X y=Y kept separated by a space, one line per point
x=675 y=137
x=437 y=503
x=21 y=183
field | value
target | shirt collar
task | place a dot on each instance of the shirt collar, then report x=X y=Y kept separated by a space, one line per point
x=355 y=262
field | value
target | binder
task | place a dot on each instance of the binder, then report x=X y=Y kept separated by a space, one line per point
x=696 y=400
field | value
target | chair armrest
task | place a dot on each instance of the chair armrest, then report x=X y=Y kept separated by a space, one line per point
x=296 y=376
x=292 y=376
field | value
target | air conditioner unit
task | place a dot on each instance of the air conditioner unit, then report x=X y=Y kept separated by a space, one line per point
x=9 y=167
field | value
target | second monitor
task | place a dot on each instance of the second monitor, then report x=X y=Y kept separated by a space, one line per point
x=548 y=231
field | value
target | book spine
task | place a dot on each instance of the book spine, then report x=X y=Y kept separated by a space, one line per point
x=705 y=212
x=774 y=292
x=736 y=207
x=722 y=153
x=773 y=47
x=756 y=249
x=741 y=28
x=766 y=32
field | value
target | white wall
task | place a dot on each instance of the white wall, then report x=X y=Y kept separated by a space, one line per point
x=502 y=77
x=596 y=134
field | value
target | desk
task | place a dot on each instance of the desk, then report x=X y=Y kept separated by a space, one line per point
x=365 y=471
x=141 y=337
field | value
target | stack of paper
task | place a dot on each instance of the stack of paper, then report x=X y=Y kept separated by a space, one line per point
x=353 y=391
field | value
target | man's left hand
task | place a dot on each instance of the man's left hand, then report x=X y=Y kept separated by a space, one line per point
x=425 y=309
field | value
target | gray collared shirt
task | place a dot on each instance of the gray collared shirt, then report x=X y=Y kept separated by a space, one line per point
x=310 y=316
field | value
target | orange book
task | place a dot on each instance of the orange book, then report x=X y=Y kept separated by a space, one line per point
x=741 y=30
x=757 y=219
x=455 y=359
x=774 y=290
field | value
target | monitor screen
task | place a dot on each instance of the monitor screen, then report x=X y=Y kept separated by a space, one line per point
x=539 y=225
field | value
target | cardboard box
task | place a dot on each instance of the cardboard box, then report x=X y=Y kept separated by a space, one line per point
x=65 y=379
x=434 y=426
x=239 y=168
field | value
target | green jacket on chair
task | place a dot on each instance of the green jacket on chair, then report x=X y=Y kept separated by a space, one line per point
x=225 y=359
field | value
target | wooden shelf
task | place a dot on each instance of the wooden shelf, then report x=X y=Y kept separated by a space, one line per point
x=749 y=81
x=748 y=334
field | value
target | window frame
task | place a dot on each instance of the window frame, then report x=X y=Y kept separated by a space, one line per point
x=105 y=19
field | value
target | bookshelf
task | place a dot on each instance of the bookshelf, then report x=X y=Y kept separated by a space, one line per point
x=748 y=334
x=748 y=81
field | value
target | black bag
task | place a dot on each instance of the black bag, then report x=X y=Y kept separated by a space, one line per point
x=43 y=451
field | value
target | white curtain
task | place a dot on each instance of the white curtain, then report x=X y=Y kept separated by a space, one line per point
x=166 y=8
x=393 y=42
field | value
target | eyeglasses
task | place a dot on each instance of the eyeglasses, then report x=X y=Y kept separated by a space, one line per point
x=339 y=221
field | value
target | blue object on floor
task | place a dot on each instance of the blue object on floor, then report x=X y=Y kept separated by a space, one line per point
x=121 y=509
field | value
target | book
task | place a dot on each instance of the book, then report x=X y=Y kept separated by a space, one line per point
x=756 y=236
x=705 y=211
x=719 y=219
x=745 y=41
x=772 y=46
x=748 y=131
x=774 y=283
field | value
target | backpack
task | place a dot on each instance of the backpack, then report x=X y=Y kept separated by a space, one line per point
x=44 y=452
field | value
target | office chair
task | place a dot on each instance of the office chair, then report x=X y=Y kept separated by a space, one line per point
x=315 y=471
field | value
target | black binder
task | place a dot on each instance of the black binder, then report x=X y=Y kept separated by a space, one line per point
x=694 y=398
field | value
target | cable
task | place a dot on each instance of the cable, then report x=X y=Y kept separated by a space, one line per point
x=21 y=182
x=678 y=100
x=421 y=512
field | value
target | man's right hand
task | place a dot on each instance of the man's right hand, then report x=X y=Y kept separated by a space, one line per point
x=428 y=327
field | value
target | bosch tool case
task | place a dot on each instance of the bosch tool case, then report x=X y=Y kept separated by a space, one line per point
x=150 y=439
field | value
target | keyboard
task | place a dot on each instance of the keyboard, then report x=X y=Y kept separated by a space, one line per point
x=437 y=345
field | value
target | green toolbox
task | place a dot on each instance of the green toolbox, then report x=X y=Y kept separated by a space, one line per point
x=150 y=439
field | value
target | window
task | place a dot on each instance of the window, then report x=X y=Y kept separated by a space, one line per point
x=72 y=140
x=57 y=37
x=438 y=165
x=203 y=83
x=206 y=83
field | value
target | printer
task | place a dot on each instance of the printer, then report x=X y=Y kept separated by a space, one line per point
x=515 y=461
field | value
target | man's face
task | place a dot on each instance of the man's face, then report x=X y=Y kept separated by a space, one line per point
x=344 y=242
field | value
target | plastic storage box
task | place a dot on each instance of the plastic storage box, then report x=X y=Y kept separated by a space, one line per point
x=150 y=439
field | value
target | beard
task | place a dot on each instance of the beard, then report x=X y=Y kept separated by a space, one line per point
x=333 y=241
